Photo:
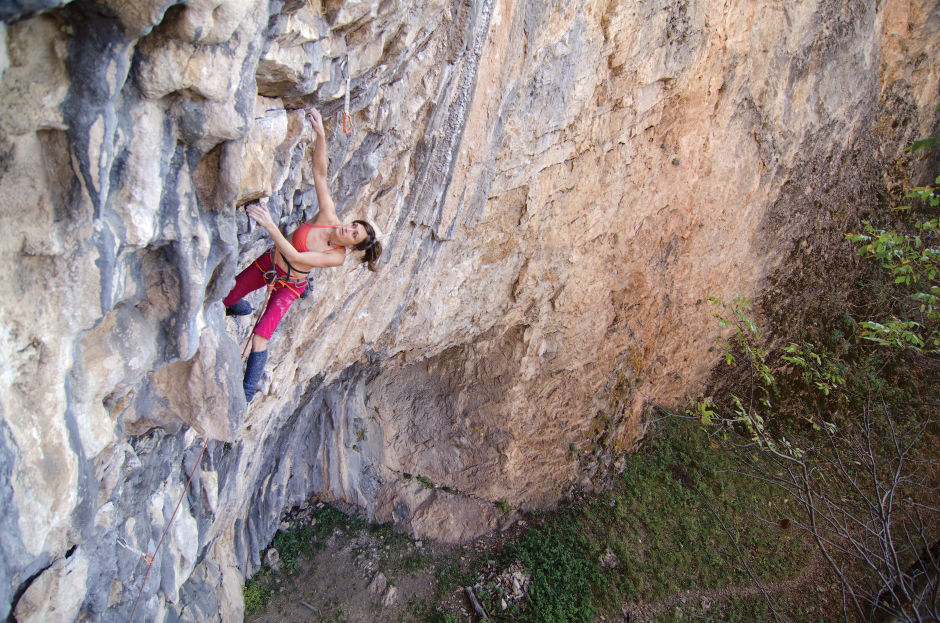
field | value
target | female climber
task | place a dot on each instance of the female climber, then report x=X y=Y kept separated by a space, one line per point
x=319 y=243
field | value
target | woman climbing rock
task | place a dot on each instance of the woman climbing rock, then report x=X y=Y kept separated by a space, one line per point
x=319 y=243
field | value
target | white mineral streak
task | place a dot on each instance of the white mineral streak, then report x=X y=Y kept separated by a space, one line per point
x=560 y=187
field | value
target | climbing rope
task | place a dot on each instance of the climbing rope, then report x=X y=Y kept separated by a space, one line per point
x=258 y=312
x=346 y=117
x=149 y=558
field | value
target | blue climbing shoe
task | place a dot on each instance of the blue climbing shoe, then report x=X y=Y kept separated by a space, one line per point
x=241 y=308
x=253 y=370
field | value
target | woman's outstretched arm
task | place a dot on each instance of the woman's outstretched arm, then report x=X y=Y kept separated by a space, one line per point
x=317 y=259
x=327 y=213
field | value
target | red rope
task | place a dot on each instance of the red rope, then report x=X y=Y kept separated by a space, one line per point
x=148 y=558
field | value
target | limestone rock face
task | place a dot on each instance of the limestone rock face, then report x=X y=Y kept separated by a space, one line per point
x=560 y=189
x=57 y=594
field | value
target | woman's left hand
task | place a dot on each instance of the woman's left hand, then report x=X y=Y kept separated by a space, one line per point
x=316 y=120
x=259 y=212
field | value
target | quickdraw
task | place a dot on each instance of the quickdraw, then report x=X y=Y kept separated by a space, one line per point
x=346 y=118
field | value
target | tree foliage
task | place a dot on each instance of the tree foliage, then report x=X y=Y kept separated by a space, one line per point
x=845 y=438
x=913 y=259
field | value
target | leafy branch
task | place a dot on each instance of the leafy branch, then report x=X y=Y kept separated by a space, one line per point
x=914 y=261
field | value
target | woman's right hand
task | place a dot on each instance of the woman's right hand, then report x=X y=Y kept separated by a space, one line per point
x=316 y=120
x=259 y=212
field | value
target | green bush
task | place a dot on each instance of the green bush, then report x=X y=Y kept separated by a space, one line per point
x=292 y=545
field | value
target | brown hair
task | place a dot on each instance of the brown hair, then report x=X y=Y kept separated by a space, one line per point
x=371 y=246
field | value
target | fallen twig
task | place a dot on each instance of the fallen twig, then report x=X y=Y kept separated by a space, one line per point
x=476 y=604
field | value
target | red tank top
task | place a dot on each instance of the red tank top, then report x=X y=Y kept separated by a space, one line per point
x=299 y=237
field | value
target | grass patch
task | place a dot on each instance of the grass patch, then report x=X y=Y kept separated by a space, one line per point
x=437 y=616
x=671 y=523
x=684 y=505
x=564 y=571
x=258 y=591
x=451 y=575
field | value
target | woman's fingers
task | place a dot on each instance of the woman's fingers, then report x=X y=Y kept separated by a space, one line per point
x=316 y=119
x=259 y=211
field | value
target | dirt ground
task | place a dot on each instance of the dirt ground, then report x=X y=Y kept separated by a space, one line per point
x=344 y=582
x=368 y=575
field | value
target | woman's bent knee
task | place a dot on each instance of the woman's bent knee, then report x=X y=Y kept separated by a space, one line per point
x=258 y=343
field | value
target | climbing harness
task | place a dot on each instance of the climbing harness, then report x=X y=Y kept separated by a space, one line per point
x=274 y=280
x=149 y=558
x=346 y=117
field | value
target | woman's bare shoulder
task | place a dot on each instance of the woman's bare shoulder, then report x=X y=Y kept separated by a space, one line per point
x=322 y=219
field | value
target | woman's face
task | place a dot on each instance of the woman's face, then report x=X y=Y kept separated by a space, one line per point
x=351 y=235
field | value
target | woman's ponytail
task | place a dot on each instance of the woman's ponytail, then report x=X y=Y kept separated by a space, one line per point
x=371 y=247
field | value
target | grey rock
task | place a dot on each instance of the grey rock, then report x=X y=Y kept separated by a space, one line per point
x=378 y=584
x=390 y=596
x=19 y=9
x=273 y=560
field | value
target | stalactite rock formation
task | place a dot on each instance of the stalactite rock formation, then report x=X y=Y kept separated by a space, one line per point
x=561 y=188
